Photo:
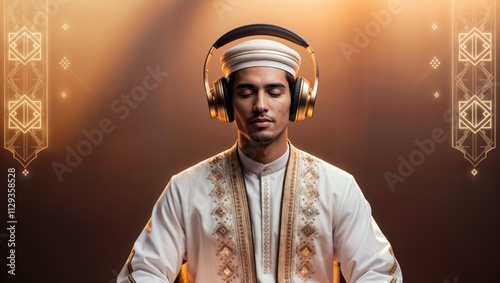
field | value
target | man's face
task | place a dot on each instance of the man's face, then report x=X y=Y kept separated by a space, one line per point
x=261 y=103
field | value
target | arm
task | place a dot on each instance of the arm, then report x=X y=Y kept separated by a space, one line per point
x=363 y=251
x=158 y=252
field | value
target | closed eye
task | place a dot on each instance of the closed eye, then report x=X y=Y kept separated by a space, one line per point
x=246 y=92
x=245 y=89
x=275 y=92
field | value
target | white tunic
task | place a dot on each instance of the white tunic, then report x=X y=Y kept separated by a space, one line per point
x=236 y=220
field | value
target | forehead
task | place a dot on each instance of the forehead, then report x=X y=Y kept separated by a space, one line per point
x=260 y=75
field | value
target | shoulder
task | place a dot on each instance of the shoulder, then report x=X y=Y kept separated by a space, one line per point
x=324 y=168
x=338 y=188
x=202 y=170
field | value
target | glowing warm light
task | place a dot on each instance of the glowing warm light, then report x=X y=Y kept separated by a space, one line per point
x=64 y=63
x=436 y=94
x=474 y=46
x=434 y=26
x=25 y=172
x=475 y=114
x=435 y=62
x=25 y=114
x=64 y=94
x=65 y=26
x=25 y=46
x=474 y=172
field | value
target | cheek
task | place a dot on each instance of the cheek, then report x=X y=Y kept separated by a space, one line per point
x=284 y=107
x=238 y=110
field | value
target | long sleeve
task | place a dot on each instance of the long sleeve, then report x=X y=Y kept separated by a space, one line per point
x=361 y=248
x=158 y=252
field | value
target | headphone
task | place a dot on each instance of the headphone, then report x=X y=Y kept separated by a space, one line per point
x=219 y=96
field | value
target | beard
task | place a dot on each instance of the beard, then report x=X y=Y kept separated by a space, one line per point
x=262 y=138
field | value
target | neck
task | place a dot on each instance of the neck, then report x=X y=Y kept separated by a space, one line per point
x=263 y=153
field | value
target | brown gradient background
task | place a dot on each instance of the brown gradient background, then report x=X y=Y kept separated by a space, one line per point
x=442 y=222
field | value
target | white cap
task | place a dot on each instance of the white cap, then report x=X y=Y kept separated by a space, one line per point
x=260 y=53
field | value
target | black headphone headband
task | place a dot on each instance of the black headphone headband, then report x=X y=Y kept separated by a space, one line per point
x=260 y=29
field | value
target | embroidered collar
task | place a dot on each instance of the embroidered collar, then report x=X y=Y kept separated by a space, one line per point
x=260 y=169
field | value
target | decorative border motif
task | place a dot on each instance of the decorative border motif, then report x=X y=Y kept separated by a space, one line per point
x=266 y=228
x=242 y=218
x=286 y=255
x=233 y=229
x=25 y=83
x=474 y=72
x=222 y=213
x=307 y=230
x=394 y=267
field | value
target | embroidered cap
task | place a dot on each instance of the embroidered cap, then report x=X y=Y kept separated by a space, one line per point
x=260 y=53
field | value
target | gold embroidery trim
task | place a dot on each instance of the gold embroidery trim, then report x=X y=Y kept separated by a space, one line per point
x=307 y=216
x=266 y=229
x=288 y=224
x=242 y=219
x=224 y=229
x=394 y=266
x=129 y=267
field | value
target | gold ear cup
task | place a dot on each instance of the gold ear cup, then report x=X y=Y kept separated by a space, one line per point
x=220 y=101
x=212 y=106
x=306 y=101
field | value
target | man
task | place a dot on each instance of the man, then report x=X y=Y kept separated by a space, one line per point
x=262 y=211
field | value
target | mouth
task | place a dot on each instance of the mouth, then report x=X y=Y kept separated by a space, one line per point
x=261 y=122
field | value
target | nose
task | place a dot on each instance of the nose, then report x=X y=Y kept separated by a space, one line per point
x=261 y=102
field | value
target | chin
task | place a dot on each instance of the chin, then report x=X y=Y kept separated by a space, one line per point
x=262 y=138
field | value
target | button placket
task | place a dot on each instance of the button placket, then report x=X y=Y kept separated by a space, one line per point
x=266 y=222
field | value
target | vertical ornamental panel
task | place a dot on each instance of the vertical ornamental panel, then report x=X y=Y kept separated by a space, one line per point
x=25 y=82
x=474 y=73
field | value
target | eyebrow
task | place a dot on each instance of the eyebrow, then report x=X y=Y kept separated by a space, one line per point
x=249 y=85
